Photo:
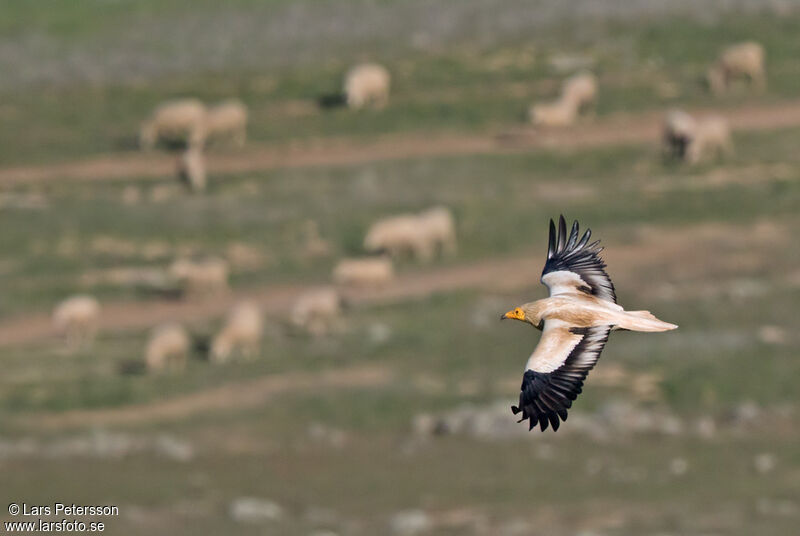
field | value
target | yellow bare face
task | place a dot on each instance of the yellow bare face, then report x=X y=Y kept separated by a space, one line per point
x=516 y=313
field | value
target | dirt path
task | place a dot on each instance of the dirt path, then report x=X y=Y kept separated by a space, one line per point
x=613 y=130
x=684 y=254
x=123 y=316
x=238 y=395
x=669 y=251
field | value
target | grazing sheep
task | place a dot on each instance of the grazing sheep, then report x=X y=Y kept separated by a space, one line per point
x=679 y=130
x=241 y=333
x=557 y=113
x=400 y=235
x=227 y=119
x=370 y=272
x=181 y=119
x=206 y=276
x=712 y=138
x=77 y=318
x=743 y=60
x=168 y=346
x=440 y=228
x=581 y=90
x=192 y=169
x=317 y=311
x=367 y=83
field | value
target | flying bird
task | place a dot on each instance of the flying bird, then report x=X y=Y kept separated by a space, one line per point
x=575 y=321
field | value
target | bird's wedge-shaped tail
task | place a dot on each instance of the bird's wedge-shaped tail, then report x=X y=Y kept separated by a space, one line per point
x=642 y=321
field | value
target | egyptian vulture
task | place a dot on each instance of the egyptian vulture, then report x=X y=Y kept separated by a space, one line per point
x=575 y=321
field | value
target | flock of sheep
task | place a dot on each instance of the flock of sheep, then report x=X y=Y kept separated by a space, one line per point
x=420 y=236
x=316 y=312
x=696 y=139
x=191 y=122
x=684 y=137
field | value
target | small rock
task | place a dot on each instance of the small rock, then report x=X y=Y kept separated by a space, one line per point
x=745 y=413
x=706 y=427
x=410 y=522
x=325 y=434
x=678 y=466
x=379 y=333
x=173 y=448
x=764 y=463
x=254 y=510
x=772 y=335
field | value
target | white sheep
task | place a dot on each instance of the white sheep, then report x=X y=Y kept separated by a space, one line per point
x=367 y=83
x=77 y=318
x=168 y=346
x=200 y=277
x=439 y=226
x=227 y=119
x=558 y=113
x=398 y=236
x=743 y=60
x=678 y=132
x=317 y=311
x=182 y=119
x=192 y=169
x=369 y=272
x=241 y=333
x=581 y=90
x=712 y=138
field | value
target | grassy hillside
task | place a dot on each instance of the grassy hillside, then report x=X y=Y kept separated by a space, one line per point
x=688 y=432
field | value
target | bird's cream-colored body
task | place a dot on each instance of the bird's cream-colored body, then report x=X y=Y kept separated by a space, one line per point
x=558 y=314
x=581 y=310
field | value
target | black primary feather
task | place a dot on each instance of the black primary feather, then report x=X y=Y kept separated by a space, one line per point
x=545 y=397
x=570 y=254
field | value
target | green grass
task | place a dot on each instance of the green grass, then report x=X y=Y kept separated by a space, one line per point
x=453 y=338
x=376 y=475
x=451 y=89
x=493 y=198
x=442 y=351
x=380 y=472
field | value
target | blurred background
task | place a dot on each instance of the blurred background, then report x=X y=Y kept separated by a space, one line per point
x=253 y=256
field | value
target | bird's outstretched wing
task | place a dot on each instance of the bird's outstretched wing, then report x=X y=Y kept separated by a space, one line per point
x=556 y=370
x=575 y=265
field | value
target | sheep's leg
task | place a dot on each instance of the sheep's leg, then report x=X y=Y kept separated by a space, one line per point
x=197 y=138
x=759 y=80
x=240 y=138
x=450 y=247
x=424 y=251
x=726 y=147
x=694 y=152
x=590 y=109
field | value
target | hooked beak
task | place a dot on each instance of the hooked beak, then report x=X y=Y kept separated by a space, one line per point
x=514 y=314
